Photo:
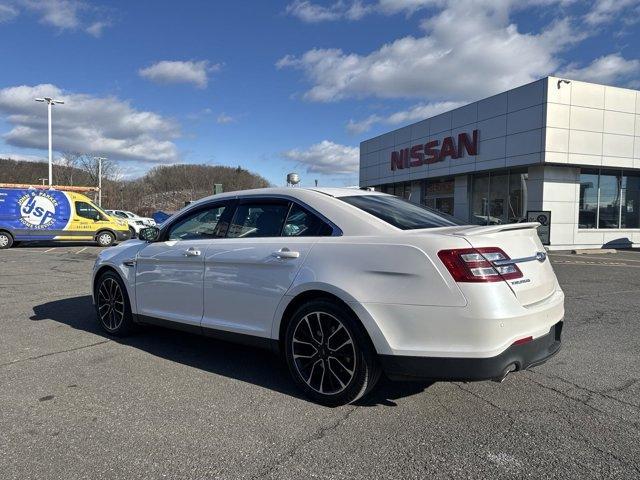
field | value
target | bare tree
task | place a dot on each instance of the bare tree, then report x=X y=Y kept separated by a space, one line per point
x=90 y=165
x=165 y=187
x=68 y=164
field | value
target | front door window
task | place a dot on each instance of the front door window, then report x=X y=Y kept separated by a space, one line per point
x=201 y=224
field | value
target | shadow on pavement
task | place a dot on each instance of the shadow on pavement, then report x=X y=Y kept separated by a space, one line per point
x=252 y=365
x=26 y=244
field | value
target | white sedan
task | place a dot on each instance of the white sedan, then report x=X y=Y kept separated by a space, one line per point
x=346 y=284
x=136 y=222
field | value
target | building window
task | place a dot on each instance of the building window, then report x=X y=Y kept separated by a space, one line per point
x=630 y=211
x=439 y=194
x=499 y=197
x=609 y=199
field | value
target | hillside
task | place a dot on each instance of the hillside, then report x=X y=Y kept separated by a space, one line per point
x=162 y=188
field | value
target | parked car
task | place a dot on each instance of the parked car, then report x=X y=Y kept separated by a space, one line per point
x=134 y=221
x=160 y=216
x=48 y=214
x=345 y=283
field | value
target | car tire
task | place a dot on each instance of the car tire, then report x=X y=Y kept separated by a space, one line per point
x=6 y=240
x=132 y=233
x=329 y=354
x=113 y=310
x=105 y=238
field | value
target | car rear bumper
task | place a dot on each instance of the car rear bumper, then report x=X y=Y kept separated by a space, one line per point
x=514 y=358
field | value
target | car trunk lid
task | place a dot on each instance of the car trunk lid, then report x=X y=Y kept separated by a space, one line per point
x=521 y=243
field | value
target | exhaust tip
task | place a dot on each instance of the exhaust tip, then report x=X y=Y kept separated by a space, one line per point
x=511 y=368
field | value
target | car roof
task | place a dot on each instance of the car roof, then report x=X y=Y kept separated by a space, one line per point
x=296 y=192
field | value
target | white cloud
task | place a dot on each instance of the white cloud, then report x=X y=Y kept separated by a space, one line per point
x=96 y=28
x=223 y=119
x=360 y=126
x=62 y=14
x=422 y=111
x=410 y=115
x=313 y=13
x=24 y=157
x=470 y=50
x=605 y=11
x=326 y=157
x=407 y=6
x=609 y=69
x=167 y=71
x=87 y=124
x=7 y=13
x=308 y=11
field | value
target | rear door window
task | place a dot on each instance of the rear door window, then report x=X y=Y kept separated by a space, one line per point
x=254 y=219
x=302 y=223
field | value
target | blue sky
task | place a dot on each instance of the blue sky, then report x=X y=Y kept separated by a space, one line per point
x=281 y=86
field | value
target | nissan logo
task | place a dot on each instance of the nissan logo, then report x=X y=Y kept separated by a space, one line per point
x=541 y=256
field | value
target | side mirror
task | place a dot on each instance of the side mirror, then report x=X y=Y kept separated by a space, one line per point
x=149 y=234
x=97 y=217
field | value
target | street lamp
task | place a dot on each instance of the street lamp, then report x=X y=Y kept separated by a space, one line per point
x=100 y=159
x=50 y=101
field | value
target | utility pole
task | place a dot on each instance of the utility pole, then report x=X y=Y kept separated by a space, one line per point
x=50 y=101
x=100 y=159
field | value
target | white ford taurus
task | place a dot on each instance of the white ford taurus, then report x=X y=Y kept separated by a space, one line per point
x=345 y=283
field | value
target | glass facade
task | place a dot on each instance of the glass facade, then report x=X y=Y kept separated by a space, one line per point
x=609 y=199
x=438 y=194
x=435 y=193
x=499 y=197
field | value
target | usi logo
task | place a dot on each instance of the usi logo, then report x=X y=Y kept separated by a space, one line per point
x=429 y=152
x=37 y=210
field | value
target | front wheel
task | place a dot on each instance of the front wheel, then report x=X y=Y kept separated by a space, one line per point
x=329 y=354
x=105 y=239
x=132 y=233
x=112 y=305
x=6 y=240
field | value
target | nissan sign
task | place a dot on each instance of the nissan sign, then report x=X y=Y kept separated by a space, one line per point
x=433 y=151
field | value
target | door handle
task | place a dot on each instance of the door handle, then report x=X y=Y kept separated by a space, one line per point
x=192 y=252
x=285 y=253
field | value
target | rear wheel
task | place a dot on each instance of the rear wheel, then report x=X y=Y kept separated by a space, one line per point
x=105 y=239
x=132 y=232
x=6 y=240
x=112 y=305
x=329 y=355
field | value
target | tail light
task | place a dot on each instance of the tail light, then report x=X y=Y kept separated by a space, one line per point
x=475 y=265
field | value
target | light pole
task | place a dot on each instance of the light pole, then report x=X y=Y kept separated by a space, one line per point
x=50 y=101
x=100 y=159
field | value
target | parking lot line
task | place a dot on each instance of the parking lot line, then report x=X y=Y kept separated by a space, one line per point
x=594 y=264
x=82 y=250
x=49 y=250
x=592 y=257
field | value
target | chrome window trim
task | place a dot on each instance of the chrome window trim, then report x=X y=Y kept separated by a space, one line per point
x=233 y=203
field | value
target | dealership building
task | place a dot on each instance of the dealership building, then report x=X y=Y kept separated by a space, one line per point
x=562 y=152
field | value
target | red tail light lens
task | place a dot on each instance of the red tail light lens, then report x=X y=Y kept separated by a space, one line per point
x=475 y=265
x=522 y=341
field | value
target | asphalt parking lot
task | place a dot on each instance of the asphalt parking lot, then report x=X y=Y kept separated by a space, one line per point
x=164 y=404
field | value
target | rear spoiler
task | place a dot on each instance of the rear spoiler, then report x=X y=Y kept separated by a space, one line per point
x=482 y=230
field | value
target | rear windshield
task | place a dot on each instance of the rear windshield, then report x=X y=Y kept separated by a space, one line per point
x=400 y=213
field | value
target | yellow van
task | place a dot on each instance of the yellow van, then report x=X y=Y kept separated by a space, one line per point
x=30 y=213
